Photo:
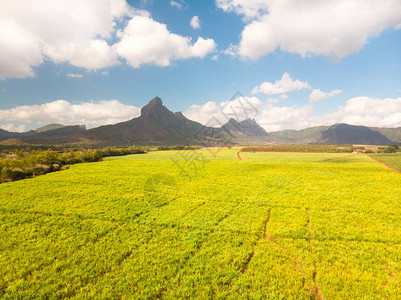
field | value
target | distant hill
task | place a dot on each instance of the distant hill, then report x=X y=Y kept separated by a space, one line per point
x=305 y=136
x=248 y=128
x=49 y=127
x=393 y=134
x=4 y=134
x=338 y=134
x=42 y=134
x=344 y=134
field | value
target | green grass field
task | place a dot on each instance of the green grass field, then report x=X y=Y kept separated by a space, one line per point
x=393 y=159
x=274 y=225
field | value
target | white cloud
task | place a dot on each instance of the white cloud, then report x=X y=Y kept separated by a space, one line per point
x=334 y=28
x=105 y=73
x=92 y=114
x=72 y=75
x=357 y=111
x=216 y=114
x=284 y=96
x=63 y=31
x=232 y=50
x=92 y=54
x=13 y=128
x=270 y=117
x=284 y=85
x=318 y=96
x=215 y=57
x=367 y=111
x=274 y=118
x=249 y=9
x=195 y=22
x=178 y=5
x=145 y=41
x=79 y=32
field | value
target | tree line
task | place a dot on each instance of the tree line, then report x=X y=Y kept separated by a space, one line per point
x=16 y=164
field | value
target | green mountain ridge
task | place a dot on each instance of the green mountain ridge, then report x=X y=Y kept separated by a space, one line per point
x=42 y=134
x=344 y=134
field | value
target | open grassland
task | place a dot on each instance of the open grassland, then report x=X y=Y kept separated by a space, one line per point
x=274 y=225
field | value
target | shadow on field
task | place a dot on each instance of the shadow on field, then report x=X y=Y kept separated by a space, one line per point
x=160 y=189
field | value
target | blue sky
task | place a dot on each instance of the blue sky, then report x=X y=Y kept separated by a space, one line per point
x=349 y=54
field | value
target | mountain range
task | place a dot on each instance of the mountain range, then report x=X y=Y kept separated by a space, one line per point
x=157 y=125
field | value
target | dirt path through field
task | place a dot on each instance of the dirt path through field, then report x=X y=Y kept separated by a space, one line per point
x=384 y=164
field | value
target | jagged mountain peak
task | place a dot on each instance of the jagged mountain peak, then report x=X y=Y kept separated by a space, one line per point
x=154 y=108
x=248 y=127
x=233 y=121
x=156 y=101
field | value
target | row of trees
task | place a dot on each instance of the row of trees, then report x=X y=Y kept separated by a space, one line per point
x=389 y=149
x=20 y=164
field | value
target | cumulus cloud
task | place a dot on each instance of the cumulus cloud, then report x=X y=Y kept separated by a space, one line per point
x=79 y=32
x=92 y=54
x=274 y=118
x=334 y=28
x=318 y=96
x=91 y=114
x=63 y=31
x=216 y=114
x=249 y=9
x=270 y=117
x=284 y=85
x=364 y=111
x=195 y=22
x=368 y=111
x=74 y=75
x=145 y=41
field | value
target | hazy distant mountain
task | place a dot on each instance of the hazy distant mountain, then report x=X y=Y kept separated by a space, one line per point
x=344 y=134
x=393 y=134
x=305 y=136
x=338 y=134
x=42 y=134
x=4 y=134
x=248 y=128
x=49 y=127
